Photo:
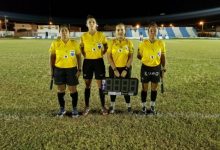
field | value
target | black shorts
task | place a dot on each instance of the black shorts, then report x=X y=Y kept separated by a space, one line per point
x=120 y=69
x=150 y=74
x=65 y=76
x=91 y=66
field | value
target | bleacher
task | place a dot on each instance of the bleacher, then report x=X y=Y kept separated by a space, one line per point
x=164 y=32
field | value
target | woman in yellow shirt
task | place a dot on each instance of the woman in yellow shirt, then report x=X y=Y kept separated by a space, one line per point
x=65 y=63
x=93 y=46
x=120 y=56
x=151 y=52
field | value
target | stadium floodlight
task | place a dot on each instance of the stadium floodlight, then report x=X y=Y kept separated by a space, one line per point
x=50 y=22
x=162 y=25
x=171 y=25
x=202 y=24
x=137 y=26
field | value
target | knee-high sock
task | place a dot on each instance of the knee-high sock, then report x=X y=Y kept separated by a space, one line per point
x=74 y=99
x=61 y=99
x=102 y=97
x=87 y=96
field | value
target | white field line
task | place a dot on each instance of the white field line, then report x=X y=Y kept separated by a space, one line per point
x=4 y=116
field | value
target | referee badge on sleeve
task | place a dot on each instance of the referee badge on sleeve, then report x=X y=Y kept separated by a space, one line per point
x=72 y=53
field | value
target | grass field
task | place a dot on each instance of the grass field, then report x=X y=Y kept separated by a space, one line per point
x=188 y=112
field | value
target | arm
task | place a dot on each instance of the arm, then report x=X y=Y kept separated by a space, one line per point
x=139 y=55
x=82 y=47
x=128 y=65
x=163 y=61
x=82 y=50
x=78 y=56
x=111 y=62
x=52 y=62
x=105 y=48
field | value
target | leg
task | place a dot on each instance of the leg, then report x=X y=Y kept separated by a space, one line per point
x=74 y=95
x=87 y=96
x=60 y=94
x=144 y=96
x=87 y=91
x=154 y=87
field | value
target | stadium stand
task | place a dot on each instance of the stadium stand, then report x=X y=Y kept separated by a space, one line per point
x=164 y=32
x=184 y=32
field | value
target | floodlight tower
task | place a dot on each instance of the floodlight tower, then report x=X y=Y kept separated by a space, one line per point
x=202 y=24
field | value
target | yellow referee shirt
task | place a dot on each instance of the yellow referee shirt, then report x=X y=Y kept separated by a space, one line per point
x=93 y=44
x=120 y=51
x=65 y=53
x=151 y=52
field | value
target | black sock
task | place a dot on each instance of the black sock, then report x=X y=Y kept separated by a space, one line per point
x=143 y=96
x=74 y=99
x=153 y=96
x=87 y=96
x=127 y=99
x=102 y=97
x=61 y=99
x=113 y=97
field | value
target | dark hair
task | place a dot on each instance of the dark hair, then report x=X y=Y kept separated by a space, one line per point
x=64 y=26
x=152 y=24
x=90 y=16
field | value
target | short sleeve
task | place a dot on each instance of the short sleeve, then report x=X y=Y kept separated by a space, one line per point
x=104 y=40
x=52 y=48
x=77 y=45
x=131 y=47
x=110 y=43
x=140 y=48
x=163 y=47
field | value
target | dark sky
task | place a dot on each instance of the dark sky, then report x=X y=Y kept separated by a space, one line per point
x=108 y=9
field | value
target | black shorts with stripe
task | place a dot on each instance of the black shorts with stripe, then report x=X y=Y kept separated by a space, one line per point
x=94 y=66
x=66 y=76
x=150 y=74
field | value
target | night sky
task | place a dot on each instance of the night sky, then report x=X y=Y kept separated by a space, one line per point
x=111 y=9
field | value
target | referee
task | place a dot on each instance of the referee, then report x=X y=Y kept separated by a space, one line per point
x=93 y=46
x=151 y=52
x=65 y=63
x=120 y=56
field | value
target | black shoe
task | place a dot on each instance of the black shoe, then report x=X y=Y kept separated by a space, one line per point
x=152 y=111
x=129 y=109
x=144 y=110
x=61 y=113
x=75 y=113
x=111 y=110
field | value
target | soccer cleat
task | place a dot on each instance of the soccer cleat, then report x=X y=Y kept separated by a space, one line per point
x=86 y=111
x=61 y=113
x=129 y=109
x=152 y=111
x=104 y=111
x=75 y=113
x=144 y=110
x=111 y=110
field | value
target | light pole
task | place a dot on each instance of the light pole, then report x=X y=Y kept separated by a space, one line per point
x=0 y=25
x=202 y=24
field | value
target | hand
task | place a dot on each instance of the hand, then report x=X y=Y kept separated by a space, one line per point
x=116 y=73
x=78 y=74
x=124 y=73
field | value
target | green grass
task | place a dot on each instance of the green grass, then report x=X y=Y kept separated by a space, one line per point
x=188 y=112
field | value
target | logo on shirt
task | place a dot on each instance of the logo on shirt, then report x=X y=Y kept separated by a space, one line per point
x=126 y=47
x=72 y=53
x=93 y=49
x=99 y=45
x=152 y=57
x=159 y=54
x=119 y=50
